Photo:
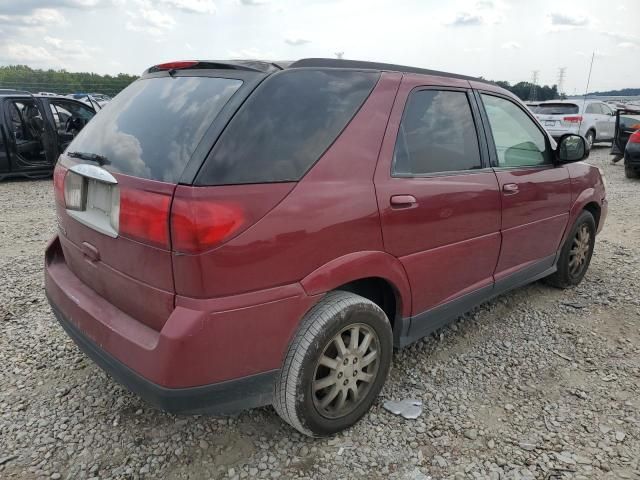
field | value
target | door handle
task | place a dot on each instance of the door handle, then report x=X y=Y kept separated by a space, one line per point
x=403 y=201
x=510 y=188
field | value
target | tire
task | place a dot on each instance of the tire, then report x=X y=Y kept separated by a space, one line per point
x=590 y=136
x=575 y=249
x=629 y=172
x=295 y=398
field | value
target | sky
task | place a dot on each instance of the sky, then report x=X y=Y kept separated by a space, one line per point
x=495 y=39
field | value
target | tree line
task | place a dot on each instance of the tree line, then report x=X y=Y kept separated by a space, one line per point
x=22 y=77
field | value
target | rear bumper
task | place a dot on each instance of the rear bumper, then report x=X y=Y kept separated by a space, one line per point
x=217 y=356
x=220 y=398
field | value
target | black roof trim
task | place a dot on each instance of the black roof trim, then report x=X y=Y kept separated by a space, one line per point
x=338 y=63
x=246 y=65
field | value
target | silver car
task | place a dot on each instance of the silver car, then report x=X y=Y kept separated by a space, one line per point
x=592 y=119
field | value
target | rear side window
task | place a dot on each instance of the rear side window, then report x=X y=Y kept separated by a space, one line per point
x=556 y=108
x=593 y=108
x=286 y=125
x=437 y=134
x=153 y=126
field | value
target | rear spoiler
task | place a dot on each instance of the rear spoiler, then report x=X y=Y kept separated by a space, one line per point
x=619 y=139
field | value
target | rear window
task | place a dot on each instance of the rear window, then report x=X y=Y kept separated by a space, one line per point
x=556 y=108
x=153 y=126
x=286 y=125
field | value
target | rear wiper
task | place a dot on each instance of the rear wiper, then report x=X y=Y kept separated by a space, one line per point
x=94 y=157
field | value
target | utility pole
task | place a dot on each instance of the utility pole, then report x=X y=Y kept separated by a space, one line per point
x=533 y=94
x=561 y=74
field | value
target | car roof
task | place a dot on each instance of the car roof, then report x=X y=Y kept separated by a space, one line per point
x=273 y=66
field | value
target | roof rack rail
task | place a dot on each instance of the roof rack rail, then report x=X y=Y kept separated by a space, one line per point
x=340 y=63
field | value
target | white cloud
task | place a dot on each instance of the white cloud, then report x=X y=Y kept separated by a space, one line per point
x=16 y=52
x=485 y=12
x=253 y=3
x=148 y=19
x=40 y=17
x=511 y=45
x=558 y=21
x=251 y=54
x=628 y=45
x=296 y=41
x=66 y=50
x=191 y=6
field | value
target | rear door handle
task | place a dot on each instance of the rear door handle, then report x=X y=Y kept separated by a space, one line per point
x=510 y=188
x=403 y=201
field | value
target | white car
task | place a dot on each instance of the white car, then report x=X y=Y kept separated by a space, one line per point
x=592 y=119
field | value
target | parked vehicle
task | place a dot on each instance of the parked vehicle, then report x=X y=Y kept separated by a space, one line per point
x=221 y=248
x=35 y=130
x=626 y=144
x=592 y=119
x=95 y=101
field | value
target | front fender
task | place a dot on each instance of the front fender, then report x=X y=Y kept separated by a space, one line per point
x=358 y=265
x=589 y=195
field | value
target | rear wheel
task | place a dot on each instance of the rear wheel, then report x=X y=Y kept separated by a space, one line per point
x=630 y=172
x=335 y=366
x=576 y=253
x=591 y=138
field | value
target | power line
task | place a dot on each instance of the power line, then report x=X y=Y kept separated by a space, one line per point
x=561 y=74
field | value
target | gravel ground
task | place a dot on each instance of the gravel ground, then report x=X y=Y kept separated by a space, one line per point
x=539 y=383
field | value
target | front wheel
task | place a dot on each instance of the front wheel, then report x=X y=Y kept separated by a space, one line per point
x=576 y=253
x=591 y=138
x=335 y=366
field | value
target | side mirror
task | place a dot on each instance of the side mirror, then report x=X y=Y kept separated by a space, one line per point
x=571 y=148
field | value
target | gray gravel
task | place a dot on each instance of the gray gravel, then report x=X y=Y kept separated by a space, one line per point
x=539 y=383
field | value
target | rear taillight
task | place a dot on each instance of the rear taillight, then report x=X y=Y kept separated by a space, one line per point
x=635 y=137
x=198 y=225
x=143 y=216
x=573 y=119
x=58 y=183
x=75 y=191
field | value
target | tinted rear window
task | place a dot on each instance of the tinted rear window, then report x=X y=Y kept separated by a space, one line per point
x=153 y=126
x=286 y=125
x=556 y=108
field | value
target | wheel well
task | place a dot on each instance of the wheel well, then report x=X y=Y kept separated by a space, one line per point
x=380 y=292
x=594 y=209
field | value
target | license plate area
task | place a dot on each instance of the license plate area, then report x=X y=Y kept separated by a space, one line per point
x=550 y=123
x=98 y=204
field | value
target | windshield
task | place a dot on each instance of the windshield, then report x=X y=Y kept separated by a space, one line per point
x=556 y=108
x=153 y=126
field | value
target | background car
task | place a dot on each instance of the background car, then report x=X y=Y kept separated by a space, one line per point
x=627 y=141
x=37 y=129
x=592 y=119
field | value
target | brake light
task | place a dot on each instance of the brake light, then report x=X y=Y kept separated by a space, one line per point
x=144 y=216
x=199 y=225
x=176 y=65
x=635 y=137
x=58 y=183
x=573 y=119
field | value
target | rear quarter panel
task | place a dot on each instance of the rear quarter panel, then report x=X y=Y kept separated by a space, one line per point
x=330 y=213
x=586 y=187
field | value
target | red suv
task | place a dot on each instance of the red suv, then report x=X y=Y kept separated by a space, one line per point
x=236 y=234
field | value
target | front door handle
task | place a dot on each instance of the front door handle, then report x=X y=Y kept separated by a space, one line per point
x=403 y=201
x=510 y=188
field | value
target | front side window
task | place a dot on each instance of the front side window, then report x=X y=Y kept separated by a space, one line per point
x=605 y=109
x=518 y=140
x=437 y=134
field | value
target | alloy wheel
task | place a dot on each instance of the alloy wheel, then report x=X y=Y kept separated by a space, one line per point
x=579 y=252
x=346 y=370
